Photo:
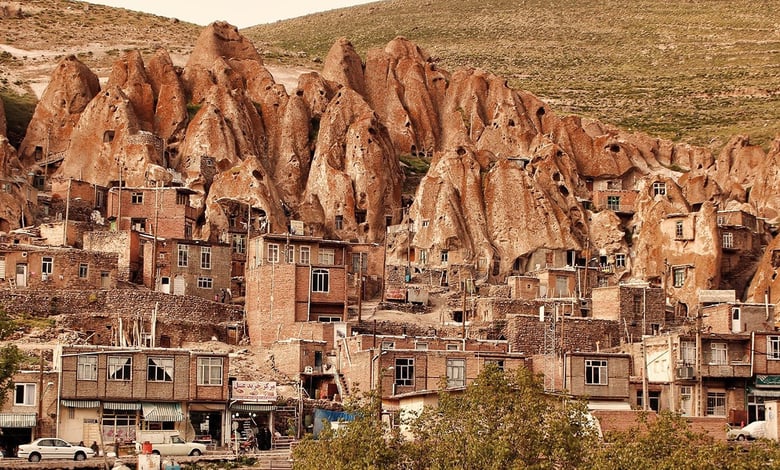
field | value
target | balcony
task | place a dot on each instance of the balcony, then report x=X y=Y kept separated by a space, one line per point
x=735 y=369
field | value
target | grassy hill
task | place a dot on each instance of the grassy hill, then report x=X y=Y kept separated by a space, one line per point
x=696 y=71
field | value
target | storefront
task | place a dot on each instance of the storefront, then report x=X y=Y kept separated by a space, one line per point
x=16 y=429
x=207 y=420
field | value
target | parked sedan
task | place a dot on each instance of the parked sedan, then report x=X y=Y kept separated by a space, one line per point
x=754 y=430
x=53 y=448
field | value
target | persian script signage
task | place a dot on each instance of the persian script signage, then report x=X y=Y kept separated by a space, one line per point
x=254 y=391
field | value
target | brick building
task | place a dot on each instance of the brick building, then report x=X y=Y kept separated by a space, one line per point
x=30 y=408
x=638 y=308
x=140 y=209
x=127 y=246
x=30 y=266
x=403 y=364
x=296 y=286
x=188 y=267
x=121 y=391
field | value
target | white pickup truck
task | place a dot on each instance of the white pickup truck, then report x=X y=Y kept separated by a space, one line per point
x=168 y=443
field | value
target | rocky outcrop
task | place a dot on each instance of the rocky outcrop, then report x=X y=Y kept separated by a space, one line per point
x=108 y=140
x=354 y=174
x=71 y=89
x=765 y=195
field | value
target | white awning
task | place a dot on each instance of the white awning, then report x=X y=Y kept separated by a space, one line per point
x=162 y=411
x=122 y=406
x=608 y=405
x=80 y=403
x=18 y=420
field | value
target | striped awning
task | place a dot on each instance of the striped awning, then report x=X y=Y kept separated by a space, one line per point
x=162 y=411
x=18 y=420
x=252 y=407
x=80 y=403
x=123 y=406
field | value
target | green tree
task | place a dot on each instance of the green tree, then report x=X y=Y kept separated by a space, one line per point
x=503 y=420
x=364 y=443
x=10 y=356
x=666 y=441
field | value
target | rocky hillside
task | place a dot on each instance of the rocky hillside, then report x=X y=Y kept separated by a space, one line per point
x=508 y=180
x=696 y=72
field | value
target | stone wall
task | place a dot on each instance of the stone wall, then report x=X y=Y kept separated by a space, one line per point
x=94 y=315
x=526 y=334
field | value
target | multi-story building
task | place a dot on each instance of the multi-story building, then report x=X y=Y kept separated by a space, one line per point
x=30 y=408
x=164 y=211
x=120 y=391
x=296 y=287
x=188 y=267
x=31 y=266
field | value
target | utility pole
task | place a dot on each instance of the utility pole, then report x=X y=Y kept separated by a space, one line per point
x=360 y=287
x=67 y=209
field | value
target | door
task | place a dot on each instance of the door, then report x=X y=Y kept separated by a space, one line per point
x=21 y=275
x=165 y=285
x=2 y=266
x=178 y=285
x=736 y=325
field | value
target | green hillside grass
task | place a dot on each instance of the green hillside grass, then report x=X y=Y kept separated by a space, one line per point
x=692 y=71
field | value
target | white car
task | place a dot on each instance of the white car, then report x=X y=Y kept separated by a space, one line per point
x=53 y=448
x=754 y=430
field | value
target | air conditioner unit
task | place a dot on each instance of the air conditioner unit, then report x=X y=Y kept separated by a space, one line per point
x=685 y=372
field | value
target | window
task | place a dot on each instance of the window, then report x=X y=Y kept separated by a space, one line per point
x=638 y=304
x=239 y=244
x=659 y=188
x=620 y=260
x=138 y=224
x=159 y=369
x=289 y=254
x=688 y=352
x=137 y=198
x=360 y=262
x=320 y=280
x=679 y=276
x=404 y=371
x=678 y=229
x=273 y=253
x=327 y=256
x=721 y=220
x=613 y=203
x=328 y=319
x=86 y=369
x=205 y=257
x=453 y=347
x=773 y=348
x=184 y=254
x=119 y=423
x=339 y=222
x=445 y=256
x=47 y=265
x=188 y=230
x=728 y=240
x=24 y=394
x=83 y=270
x=209 y=371
x=595 y=372
x=716 y=404
x=181 y=198
x=388 y=345
x=304 y=255
x=456 y=372
x=425 y=223
x=421 y=346
x=499 y=363
x=423 y=256
x=120 y=367
x=205 y=283
x=719 y=354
